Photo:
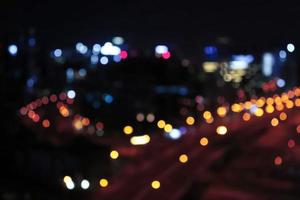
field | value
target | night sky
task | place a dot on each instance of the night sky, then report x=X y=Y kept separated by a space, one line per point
x=250 y=23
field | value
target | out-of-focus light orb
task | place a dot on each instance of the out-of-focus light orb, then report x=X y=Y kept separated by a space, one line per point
x=118 y=40
x=82 y=72
x=207 y=115
x=246 y=117
x=297 y=102
x=183 y=130
x=85 y=121
x=283 y=116
x=103 y=182
x=114 y=154
x=70 y=185
x=297 y=92
x=85 y=184
x=221 y=130
x=64 y=111
x=36 y=118
x=95 y=59
x=30 y=82
x=248 y=105
x=70 y=74
x=77 y=124
x=161 y=124
x=222 y=111
x=150 y=117
x=12 y=49
x=279 y=107
x=284 y=98
x=190 y=120
x=81 y=48
x=108 y=98
x=96 y=49
x=160 y=49
x=259 y=112
x=140 y=117
x=291 y=94
x=23 y=111
x=269 y=108
x=109 y=49
x=260 y=103
x=57 y=53
x=168 y=128
x=31 y=114
x=289 y=104
x=175 y=134
x=210 y=67
x=123 y=54
x=46 y=123
x=278 y=160
x=128 y=130
x=53 y=98
x=290 y=47
x=280 y=83
x=210 y=120
x=67 y=179
x=204 y=141
x=236 y=107
x=69 y=182
x=246 y=58
x=183 y=158
x=103 y=60
x=298 y=129
x=31 y=42
x=140 y=140
x=71 y=94
x=274 y=122
x=117 y=58
x=166 y=55
x=155 y=184
x=78 y=46
x=210 y=50
x=253 y=108
x=238 y=65
x=62 y=96
x=277 y=100
x=268 y=62
x=291 y=143
x=282 y=54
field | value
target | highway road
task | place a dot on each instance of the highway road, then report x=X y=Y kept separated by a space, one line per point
x=254 y=160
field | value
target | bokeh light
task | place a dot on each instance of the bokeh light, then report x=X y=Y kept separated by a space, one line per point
x=221 y=130
x=155 y=184
x=283 y=116
x=168 y=128
x=140 y=140
x=274 y=122
x=190 y=120
x=85 y=184
x=114 y=154
x=222 y=111
x=103 y=182
x=183 y=158
x=161 y=124
x=128 y=130
x=278 y=160
x=204 y=141
x=46 y=123
x=13 y=49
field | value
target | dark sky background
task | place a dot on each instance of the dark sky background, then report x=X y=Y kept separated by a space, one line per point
x=249 y=23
